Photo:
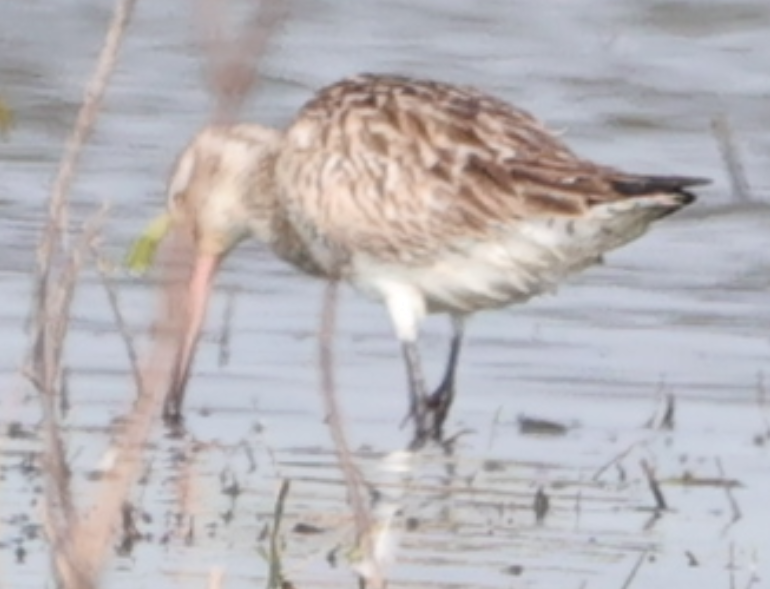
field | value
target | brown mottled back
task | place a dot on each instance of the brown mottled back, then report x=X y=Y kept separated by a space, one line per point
x=402 y=168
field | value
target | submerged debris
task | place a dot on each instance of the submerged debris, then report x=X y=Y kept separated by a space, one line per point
x=307 y=529
x=514 y=570
x=666 y=420
x=534 y=426
x=652 y=482
x=130 y=531
x=541 y=505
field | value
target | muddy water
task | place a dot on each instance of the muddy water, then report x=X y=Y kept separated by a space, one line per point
x=682 y=312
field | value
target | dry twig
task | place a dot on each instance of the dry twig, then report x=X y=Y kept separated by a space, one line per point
x=125 y=333
x=723 y=134
x=91 y=536
x=620 y=456
x=187 y=492
x=667 y=419
x=735 y=509
x=634 y=571
x=275 y=578
x=353 y=480
x=232 y=64
x=54 y=291
x=652 y=482
x=47 y=374
x=57 y=223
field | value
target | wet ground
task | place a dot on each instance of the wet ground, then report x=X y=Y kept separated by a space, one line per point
x=681 y=313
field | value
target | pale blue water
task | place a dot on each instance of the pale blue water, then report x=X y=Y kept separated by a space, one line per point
x=634 y=84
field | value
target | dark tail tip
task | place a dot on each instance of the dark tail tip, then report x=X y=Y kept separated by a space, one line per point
x=686 y=197
x=641 y=185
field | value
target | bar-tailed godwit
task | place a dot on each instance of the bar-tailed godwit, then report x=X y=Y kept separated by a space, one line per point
x=428 y=197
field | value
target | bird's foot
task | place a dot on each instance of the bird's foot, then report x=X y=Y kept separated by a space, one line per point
x=418 y=414
x=429 y=415
x=438 y=405
x=174 y=420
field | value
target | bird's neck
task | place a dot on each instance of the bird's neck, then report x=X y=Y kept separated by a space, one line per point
x=287 y=245
x=267 y=221
x=260 y=200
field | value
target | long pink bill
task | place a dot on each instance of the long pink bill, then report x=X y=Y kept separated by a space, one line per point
x=198 y=293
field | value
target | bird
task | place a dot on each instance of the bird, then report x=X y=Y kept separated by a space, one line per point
x=429 y=197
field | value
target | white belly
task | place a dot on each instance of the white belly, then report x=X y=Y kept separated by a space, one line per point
x=483 y=276
x=516 y=265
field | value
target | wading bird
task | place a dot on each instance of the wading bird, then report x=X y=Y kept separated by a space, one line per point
x=428 y=197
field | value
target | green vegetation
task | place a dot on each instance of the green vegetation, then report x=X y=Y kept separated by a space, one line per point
x=142 y=253
x=6 y=118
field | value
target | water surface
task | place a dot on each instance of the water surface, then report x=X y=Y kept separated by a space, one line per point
x=683 y=311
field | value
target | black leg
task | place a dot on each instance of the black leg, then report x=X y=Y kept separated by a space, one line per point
x=440 y=402
x=418 y=405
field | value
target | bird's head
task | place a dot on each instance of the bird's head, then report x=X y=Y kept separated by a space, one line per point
x=220 y=193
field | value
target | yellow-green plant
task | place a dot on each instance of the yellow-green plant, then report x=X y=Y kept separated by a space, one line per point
x=6 y=118
x=141 y=255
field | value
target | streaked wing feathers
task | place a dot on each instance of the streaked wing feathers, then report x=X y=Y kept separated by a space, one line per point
x=383 y=163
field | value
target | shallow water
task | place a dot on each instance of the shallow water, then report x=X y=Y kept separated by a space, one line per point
x=683 y=311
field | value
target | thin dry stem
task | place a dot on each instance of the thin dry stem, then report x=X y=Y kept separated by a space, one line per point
x=187 y=491
x=81 y=545
x=634 y=571
x=667 y=420
x=723 y=134
x=125 y=333
x=64 y=293
x=619 y=457
x=654 y=485
x=353 y=480
x=56 y=227
x=51 y=309
x=58 y=326
x=58 y=500
x=735 y=509
x=232 y=65
x=275 y=578
x=92 y=536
